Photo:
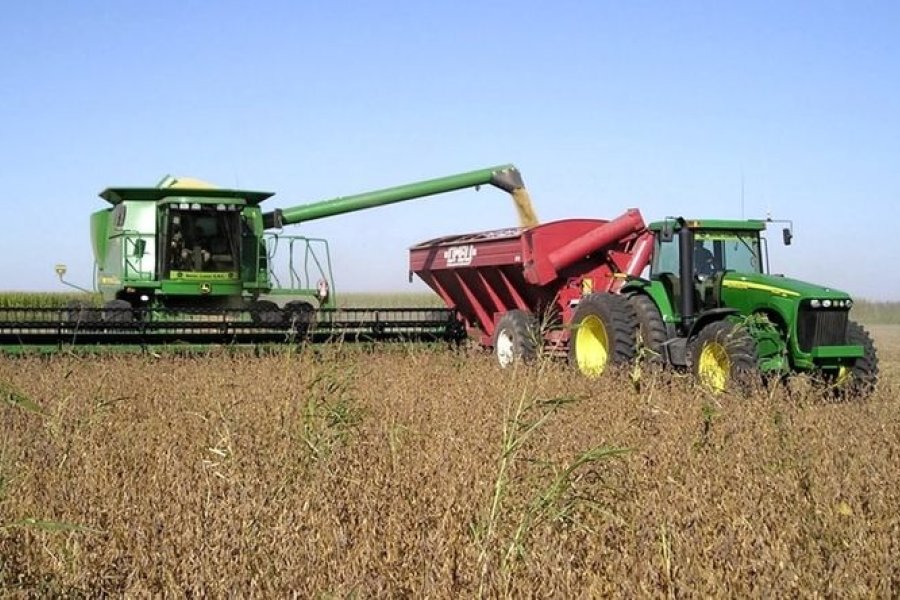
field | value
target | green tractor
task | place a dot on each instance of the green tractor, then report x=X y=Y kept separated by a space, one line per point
x=710 y=305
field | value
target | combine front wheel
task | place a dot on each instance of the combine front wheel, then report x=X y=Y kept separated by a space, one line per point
x=300 y=315
x=118 y=311
x=515 y=338
x=723 y=354
x=266 y=312
x=603 y=333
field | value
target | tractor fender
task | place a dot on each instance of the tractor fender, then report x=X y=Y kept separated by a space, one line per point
x=710 y=316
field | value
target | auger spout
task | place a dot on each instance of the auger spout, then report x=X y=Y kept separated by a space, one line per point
x=504 y=177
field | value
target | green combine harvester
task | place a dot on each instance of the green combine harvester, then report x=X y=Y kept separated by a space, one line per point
x=188 y=262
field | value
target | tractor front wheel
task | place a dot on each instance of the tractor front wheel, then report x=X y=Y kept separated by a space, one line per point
x=515 y=338
x=604 y=330
x=860 y=378
x=724 y=356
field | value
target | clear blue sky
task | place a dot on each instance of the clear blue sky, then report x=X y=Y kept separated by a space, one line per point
x=603 y=106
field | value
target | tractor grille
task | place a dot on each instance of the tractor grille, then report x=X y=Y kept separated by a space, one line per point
x=821 y=327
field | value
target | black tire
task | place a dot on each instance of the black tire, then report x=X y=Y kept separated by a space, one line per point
x=860 y=379
x=724 y=356
x=118 y=311
x=266 y=312
x=78 y=311
x=651 y=328
x=515 y=338
x=300 y=316
x=603 y=332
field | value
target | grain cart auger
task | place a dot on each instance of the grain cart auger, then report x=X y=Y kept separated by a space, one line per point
x=707 y=303
x=186 y=261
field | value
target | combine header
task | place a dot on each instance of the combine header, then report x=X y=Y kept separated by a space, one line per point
x=191 y=263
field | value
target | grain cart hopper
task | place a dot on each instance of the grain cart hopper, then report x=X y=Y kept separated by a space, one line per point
x=188 y=261
x=707 y=303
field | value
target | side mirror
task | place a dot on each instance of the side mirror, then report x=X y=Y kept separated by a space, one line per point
x=787 y=236
x=140 y=246
x=667 y=233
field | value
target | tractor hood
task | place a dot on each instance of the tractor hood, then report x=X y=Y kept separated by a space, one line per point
x=785 y=287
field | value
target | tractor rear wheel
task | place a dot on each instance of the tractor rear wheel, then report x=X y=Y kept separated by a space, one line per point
x=724 y=356
x=651 y=328
x=516 y=338
x=604 y=330
x=266 y=312
x=861 y=378
x=117 y=311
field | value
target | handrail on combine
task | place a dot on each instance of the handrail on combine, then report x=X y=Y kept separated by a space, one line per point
x=304 y=276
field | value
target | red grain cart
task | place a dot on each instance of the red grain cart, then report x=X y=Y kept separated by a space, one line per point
x=504 y=282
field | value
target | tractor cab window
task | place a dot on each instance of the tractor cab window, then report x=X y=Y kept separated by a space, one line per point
x=203 y=240
x=717 y=251
x=666 y=258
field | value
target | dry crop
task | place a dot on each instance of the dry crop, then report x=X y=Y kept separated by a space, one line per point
x=405 y=471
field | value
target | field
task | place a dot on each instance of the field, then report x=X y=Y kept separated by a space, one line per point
x=336 y=472
x=420 y=471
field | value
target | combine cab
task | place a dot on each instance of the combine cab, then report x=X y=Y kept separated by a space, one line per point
x=707 y=303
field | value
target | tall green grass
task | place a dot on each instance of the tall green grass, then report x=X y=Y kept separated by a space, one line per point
x=45 y=299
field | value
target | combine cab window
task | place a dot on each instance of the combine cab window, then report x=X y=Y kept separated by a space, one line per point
x=202 y=241
x=717 y=251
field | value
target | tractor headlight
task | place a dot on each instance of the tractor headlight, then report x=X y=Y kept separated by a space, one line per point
x=826 y=303
x=815 y=303
x=848 y=303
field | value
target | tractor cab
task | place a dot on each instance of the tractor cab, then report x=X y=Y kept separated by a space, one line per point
x=692 y=257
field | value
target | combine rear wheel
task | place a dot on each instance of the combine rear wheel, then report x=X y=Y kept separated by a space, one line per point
x=515 y=338
x=860 y=378
x=603 y=332
x=651 y=328
x=724 y=356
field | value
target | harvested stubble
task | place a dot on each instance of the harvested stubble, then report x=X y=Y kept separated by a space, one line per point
x=337 y=471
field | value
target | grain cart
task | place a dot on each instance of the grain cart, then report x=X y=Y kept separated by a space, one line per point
x=186 y=261
x=707 y=303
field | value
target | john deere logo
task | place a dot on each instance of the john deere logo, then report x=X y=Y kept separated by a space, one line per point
x=204 y=288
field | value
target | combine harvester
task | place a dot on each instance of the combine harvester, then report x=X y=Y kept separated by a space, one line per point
x=188 y=263
x=708 y=302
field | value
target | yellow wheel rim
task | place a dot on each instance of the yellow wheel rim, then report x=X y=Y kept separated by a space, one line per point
x=844 y=375
x=591 y=346
x=715 y=366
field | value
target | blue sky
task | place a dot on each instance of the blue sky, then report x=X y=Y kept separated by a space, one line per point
x=665 y=106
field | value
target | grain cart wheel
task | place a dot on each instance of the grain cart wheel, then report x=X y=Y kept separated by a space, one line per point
x=651 y=328
x=266 y=312
x=604 y=330
x=117 y=311
x=861 y=378
x=515 y=338
x=724 y=355
x=300 y=316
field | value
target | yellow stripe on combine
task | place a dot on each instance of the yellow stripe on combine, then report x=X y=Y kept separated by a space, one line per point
x=751 y=285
